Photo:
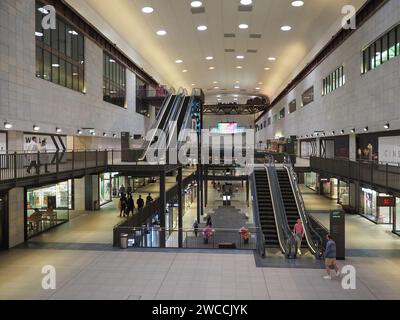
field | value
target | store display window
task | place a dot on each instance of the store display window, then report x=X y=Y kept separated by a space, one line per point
x=48 y=207
x=105 y=188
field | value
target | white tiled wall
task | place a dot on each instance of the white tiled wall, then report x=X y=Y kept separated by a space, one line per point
x=369 y=100
x=26 y=100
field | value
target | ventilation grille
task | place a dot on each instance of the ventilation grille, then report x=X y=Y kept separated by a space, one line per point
x=229 y=35
x=245 y=8
x=255 y=36
x=198 y=10
x=229 y=50
x=251 y=51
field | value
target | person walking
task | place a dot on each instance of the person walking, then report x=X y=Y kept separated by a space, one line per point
x=209 y=221
x=122 y=205
x=44 y=157
x=33 y=150
x=196 y=228
x=122 y=190
x=140 y=203
x=330 y=258
x=129 y=189
x=130 y=205
x=298 y=232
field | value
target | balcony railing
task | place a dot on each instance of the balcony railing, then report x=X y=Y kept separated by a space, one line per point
x=372 y=173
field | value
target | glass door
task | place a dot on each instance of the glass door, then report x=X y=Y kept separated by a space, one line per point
x=397 y=219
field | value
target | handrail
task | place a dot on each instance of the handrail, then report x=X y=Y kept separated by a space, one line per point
x=316 y=248
x=285 y=236
x=261 y=237
x=187 y=119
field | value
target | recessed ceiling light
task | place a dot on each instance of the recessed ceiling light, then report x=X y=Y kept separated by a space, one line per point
x=237 y=81
x=246 y=2
x=39 y=34
x=260 y=83
x=298 y=3
x=235 y=95
x=243 y=26
x=184 y=71
x=196 y=4
x=147 y=10
x=215 y=82
x=161 y=32
x=202 y=28
x=219 y=99
x=209 y=58
x=219 y=96
x=272 y=59
x=211 y=68
x=55 y=65
x=179 y=61
x=240 y=57
x=286 y=28
x=193 y=84
x=216 y=88
x=267 y=69
x=237 y=87
x=239 y=67
x=258 y=88
x=7 y=125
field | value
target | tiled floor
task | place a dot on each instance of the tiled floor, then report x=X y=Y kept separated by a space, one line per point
x=182 y=275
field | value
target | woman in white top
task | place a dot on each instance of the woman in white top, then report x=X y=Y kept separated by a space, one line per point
x=44 y=157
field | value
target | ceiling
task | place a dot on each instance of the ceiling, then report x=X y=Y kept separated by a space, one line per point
x=309 y=23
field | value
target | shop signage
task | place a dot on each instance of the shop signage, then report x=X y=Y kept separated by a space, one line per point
x=389 y=149
x=386 y=201
x=337 y=232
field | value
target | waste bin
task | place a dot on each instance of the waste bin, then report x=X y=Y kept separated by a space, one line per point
x=124 y=241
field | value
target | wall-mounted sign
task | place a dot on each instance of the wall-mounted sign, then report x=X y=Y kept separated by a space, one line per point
x=389 y=149
x=385 y=201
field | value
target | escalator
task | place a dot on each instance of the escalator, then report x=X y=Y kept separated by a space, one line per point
x=265 y=209
x=292 y=212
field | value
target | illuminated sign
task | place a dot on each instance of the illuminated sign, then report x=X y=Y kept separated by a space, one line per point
x=386 y=201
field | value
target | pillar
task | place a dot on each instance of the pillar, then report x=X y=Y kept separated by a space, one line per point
x=16 y=217
x=180 y=209
x=91 y=192
x=247 y=192
x=163 y=205
x=79 y=194
x=352 y=147
x=205 y=187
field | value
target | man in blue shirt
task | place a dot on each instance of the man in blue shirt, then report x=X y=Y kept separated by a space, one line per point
x=330 y=258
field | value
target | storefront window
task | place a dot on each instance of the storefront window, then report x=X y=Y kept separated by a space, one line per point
x=369 y=204
x=105 y=188
x=344 y=198
x=310 y=180
x=384 y=213
x=330 y=188
x=48 y=207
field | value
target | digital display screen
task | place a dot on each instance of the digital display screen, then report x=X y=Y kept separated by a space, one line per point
x=227 y=128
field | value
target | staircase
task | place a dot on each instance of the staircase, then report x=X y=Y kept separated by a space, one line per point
x=289 y=201
x=266 y=212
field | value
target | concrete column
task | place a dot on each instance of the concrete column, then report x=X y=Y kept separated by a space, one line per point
x=163 y=205
x=79 y=194
x=91 y=192
x=180 y=209
x=352 y=147
x=16 y=217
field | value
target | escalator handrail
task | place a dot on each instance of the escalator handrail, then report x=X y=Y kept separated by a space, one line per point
x=285 y=236
x=260 y=237
x=314 y=247
x=147 y=143
x=178 y=98
x=187 y=116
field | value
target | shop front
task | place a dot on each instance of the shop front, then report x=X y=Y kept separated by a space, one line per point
x=369 y=207
x=396 y=225
x=310 y=180
x=330 y=188
x=190 y=196
x=344 y=193
x=105 y=188
x=48 y=207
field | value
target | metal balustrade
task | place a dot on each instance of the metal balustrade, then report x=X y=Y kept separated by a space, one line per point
x=372 y=173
